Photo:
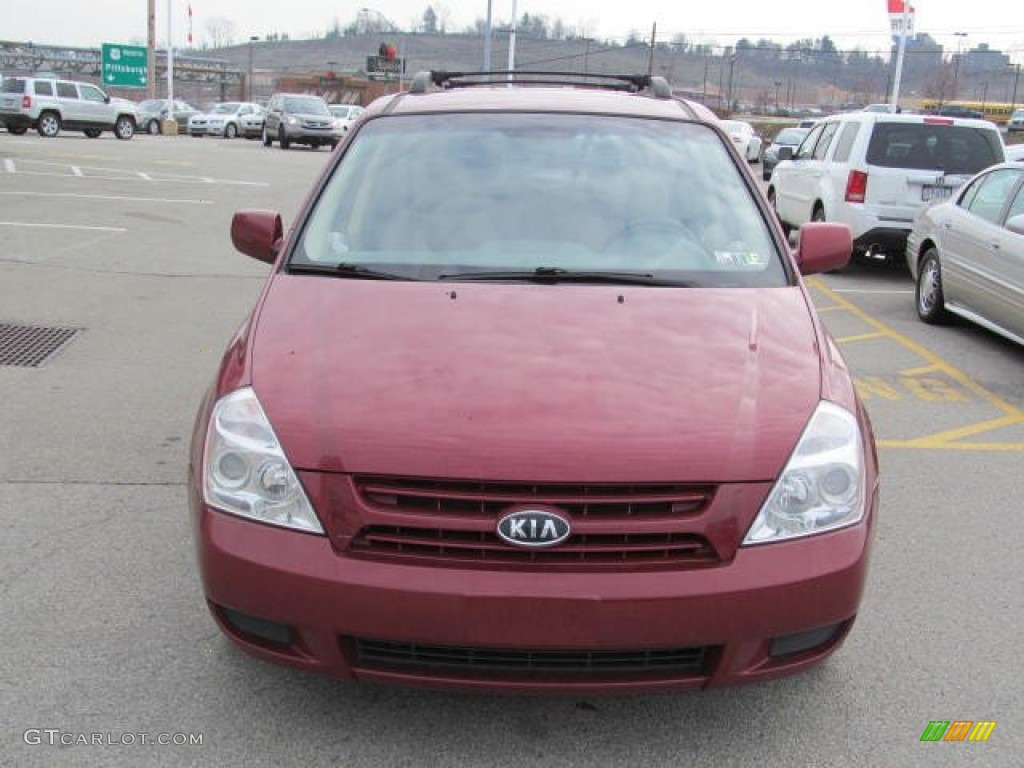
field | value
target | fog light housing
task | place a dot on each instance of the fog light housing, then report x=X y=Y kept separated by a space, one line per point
x=255 y=627
x=804 y=641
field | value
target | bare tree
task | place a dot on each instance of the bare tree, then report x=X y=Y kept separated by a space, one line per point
x=444 y=17
x=220 y=31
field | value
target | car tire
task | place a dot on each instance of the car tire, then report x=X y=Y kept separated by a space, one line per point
x=124 y=127
x=283 y=138
x=48 y=125
x=17 y=131
x=818 y=214
x=230 y=131
x=267 y=141
x=92 y=133
x=929 y=299
x=153 y=127
x=334 y=145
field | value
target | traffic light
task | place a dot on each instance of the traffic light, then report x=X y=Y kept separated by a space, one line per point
x=387 y=51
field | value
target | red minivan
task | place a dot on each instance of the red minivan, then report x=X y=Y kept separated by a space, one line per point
x=535 y=399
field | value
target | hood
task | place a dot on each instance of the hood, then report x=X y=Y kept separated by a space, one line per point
x=535 y=382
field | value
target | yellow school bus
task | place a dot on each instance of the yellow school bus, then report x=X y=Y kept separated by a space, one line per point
x=997 y=112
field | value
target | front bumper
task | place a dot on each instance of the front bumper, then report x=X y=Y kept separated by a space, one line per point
x=748 y=619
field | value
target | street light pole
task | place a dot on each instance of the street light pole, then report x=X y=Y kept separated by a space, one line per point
x=1016 y=77
x=248 y=82
x=512 y=41
x=956 y=65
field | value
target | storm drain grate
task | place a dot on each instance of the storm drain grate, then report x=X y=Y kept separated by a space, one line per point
x=31 y=346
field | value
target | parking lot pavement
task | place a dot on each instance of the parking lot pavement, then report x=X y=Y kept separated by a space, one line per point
x=102 y=619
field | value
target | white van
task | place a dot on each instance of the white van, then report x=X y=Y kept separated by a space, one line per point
x=874 y=171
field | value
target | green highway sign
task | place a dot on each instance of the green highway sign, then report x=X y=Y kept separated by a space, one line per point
x=124 y=65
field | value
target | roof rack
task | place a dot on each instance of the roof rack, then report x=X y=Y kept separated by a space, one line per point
x=657 y=86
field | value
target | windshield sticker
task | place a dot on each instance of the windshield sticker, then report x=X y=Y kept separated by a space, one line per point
x=748 y=259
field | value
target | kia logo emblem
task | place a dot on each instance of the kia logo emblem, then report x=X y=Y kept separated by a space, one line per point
x=533 y=528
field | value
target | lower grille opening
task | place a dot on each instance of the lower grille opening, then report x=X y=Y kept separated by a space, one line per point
x=441 y=659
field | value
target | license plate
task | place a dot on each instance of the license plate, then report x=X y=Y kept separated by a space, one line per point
x=931 y=193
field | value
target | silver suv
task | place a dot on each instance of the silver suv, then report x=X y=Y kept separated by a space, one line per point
x=299 y=118
x=49 y=104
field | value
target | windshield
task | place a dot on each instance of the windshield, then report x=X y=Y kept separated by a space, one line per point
x=306 y=105
x=430 y=195
x=151 y=105
x=225 y=109
x=791 y=137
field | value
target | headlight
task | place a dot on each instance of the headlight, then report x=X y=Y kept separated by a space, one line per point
x=822 y=486
x=246 y=472
x=292 y=121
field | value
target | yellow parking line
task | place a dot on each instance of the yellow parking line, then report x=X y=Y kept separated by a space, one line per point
x=833 y=308
x=934 y=446
x=968 y=431
x=862 y=337
x=1012 y=414
x=918 y=371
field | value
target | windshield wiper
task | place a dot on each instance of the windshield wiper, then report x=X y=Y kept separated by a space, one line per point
x=346 y=269
x=559 y=275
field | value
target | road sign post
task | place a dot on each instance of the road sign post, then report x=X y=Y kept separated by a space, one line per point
x=124 y=66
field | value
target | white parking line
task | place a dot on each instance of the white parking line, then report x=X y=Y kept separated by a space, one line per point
x=118 y=174
x=132 y=198
x=60 y=226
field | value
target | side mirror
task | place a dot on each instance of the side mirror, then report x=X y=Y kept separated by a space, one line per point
x=785 y=153
x=823 y=247
x=1016 y=224
x=257 y=233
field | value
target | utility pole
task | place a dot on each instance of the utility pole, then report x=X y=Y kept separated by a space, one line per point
x=650 y=54
x=704 y=89
x=487 y=39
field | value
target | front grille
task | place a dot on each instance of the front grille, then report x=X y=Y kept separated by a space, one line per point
x=381 y=654
x=489 y=500
x=427 y=546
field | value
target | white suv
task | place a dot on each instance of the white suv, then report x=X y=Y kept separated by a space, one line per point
x=874 y=171
x=49 y=104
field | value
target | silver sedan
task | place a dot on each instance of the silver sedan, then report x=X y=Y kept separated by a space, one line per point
x=967 y=254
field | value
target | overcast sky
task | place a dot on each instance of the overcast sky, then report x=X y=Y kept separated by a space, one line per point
x=863 y=23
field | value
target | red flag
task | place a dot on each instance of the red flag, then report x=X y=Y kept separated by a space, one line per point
x=896 y=6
